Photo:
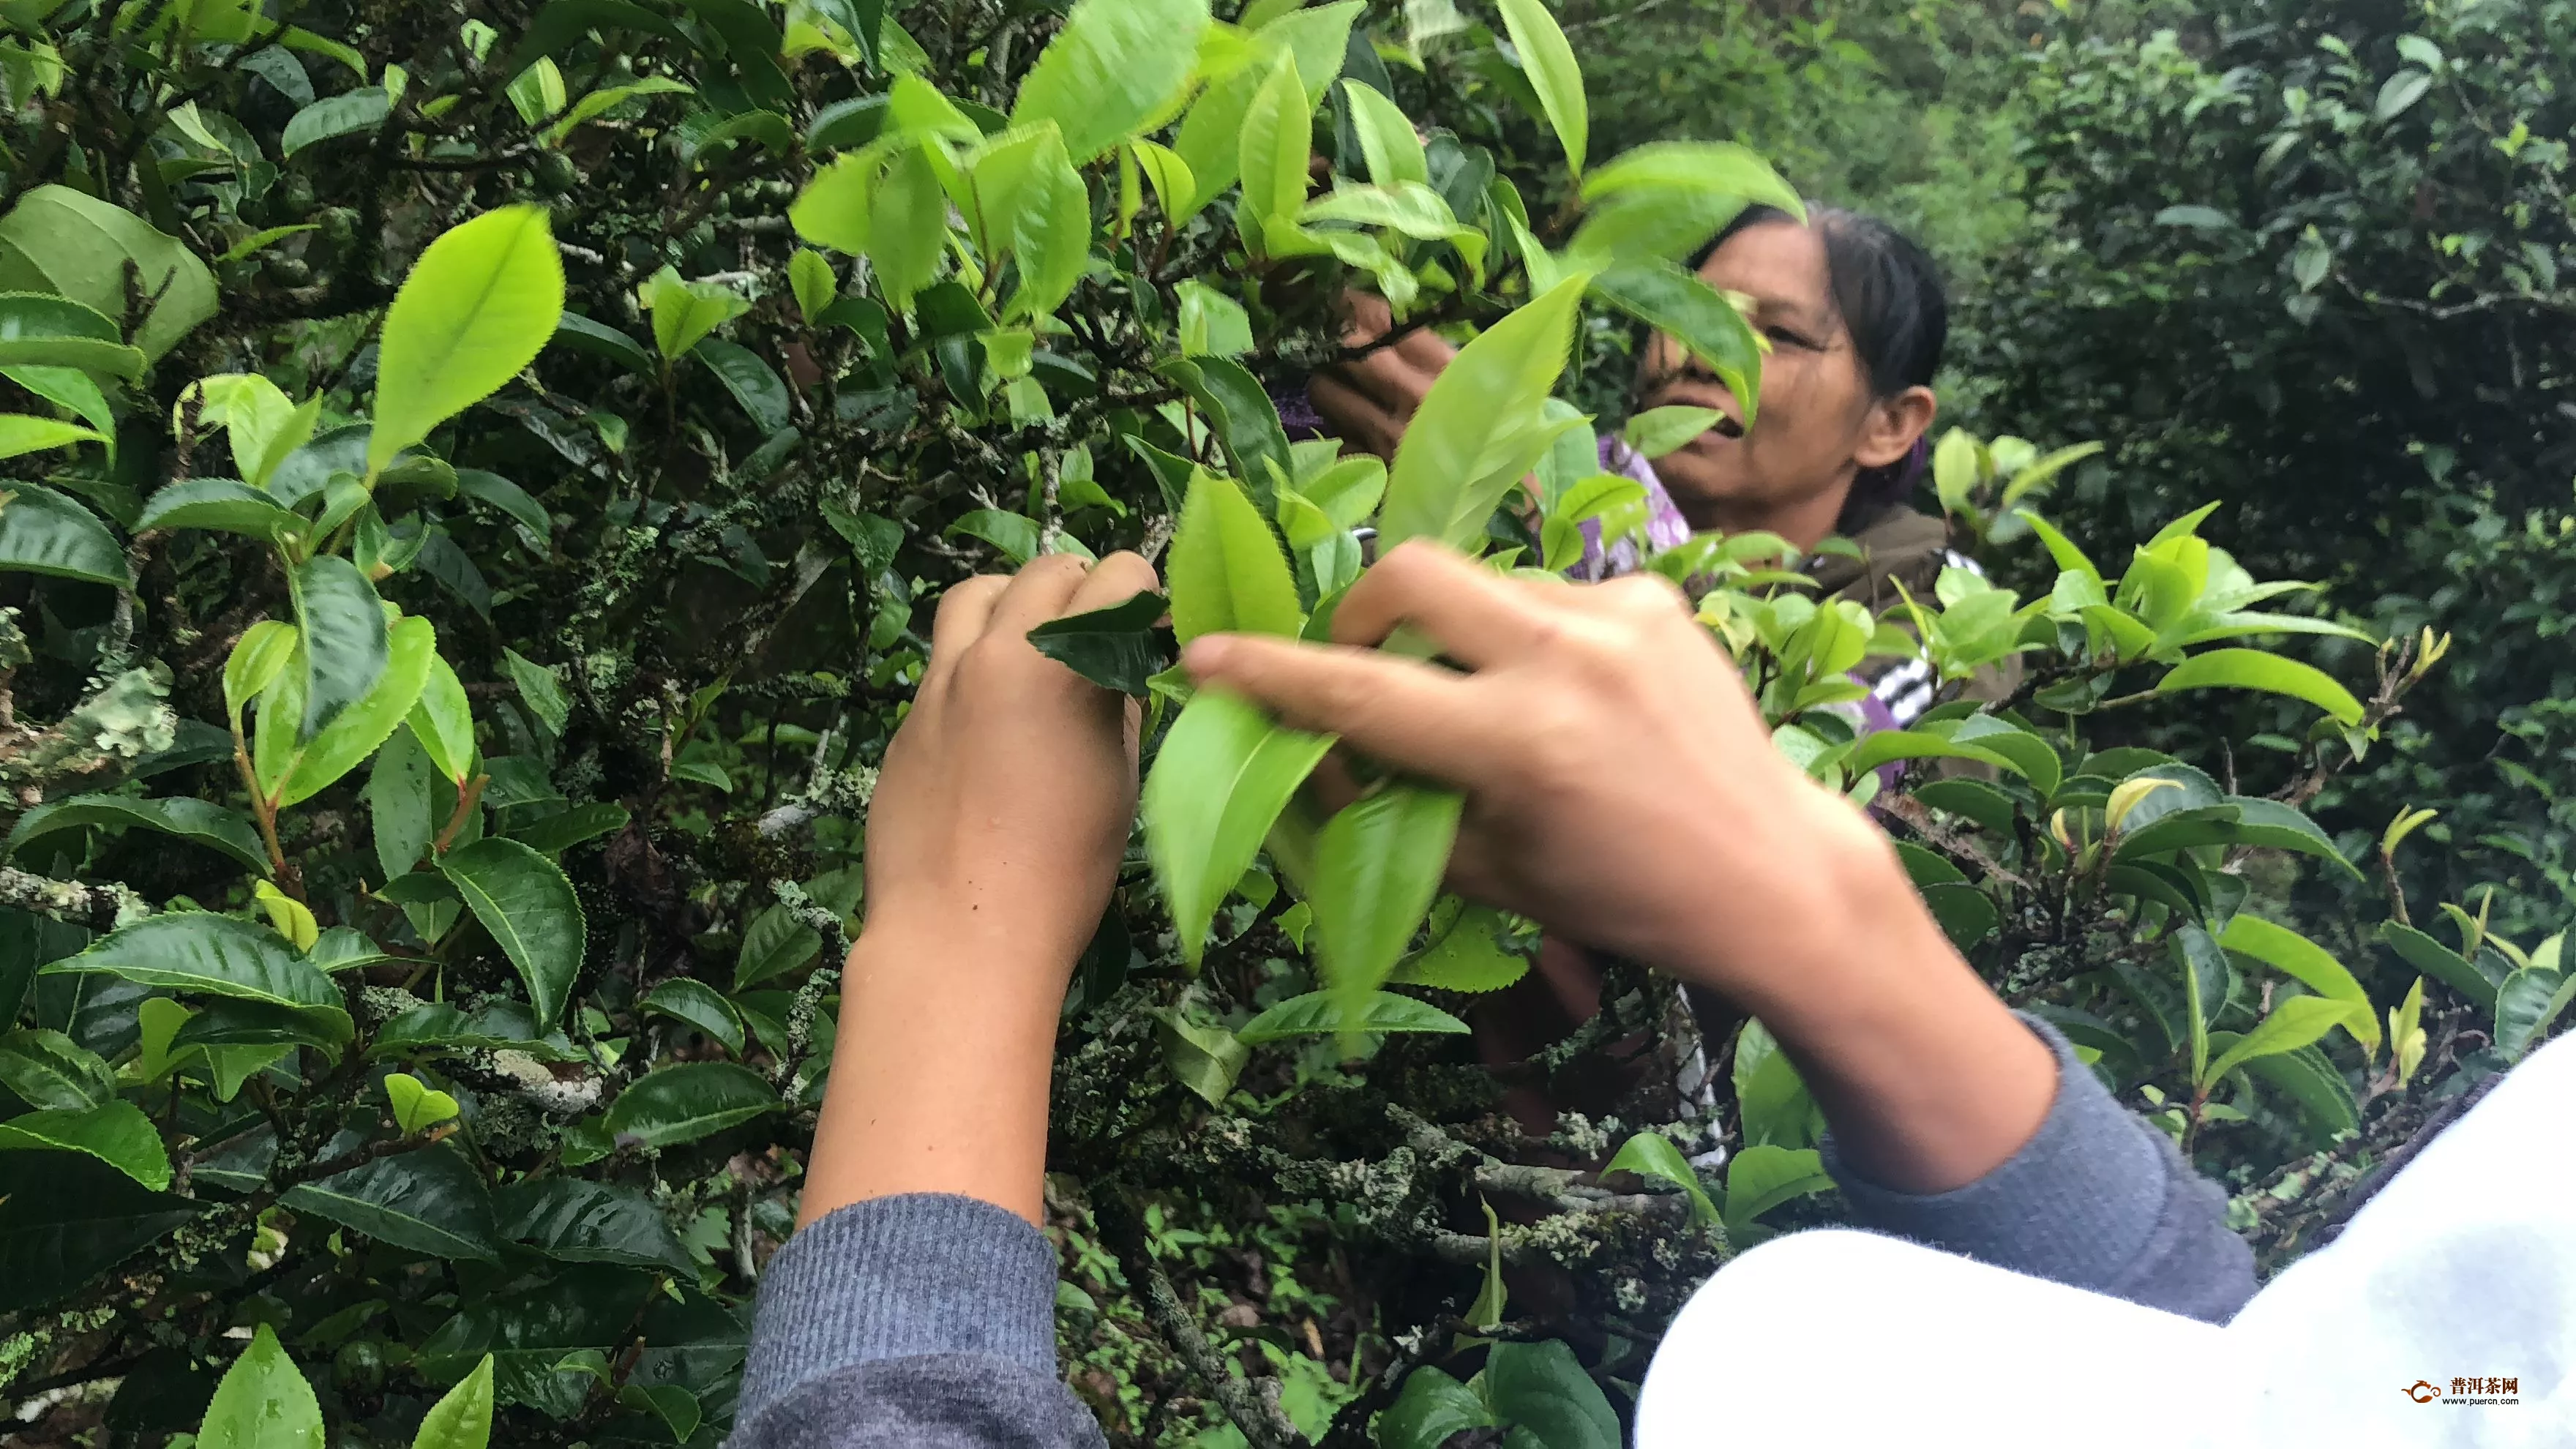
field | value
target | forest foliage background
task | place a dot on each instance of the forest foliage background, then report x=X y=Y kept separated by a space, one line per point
x=512 y=1168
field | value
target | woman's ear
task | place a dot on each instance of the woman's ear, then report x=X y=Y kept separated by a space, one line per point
x=1894 y=423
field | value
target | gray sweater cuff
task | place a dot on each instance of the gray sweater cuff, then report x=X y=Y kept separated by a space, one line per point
x=897 y=1277
x=2097 y=1199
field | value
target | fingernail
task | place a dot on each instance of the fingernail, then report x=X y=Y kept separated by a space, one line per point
x=1206 y=654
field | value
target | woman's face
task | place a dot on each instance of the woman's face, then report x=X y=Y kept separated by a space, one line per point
x=1817 y=425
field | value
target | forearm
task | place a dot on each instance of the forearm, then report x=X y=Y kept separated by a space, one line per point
x=2096 y=1199
x=1927 y=1079
x=940 y=1071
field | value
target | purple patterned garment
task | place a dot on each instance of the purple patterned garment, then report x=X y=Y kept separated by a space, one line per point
x=1665 y=526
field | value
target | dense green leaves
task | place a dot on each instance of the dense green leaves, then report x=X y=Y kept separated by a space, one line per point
x=66 y=1216
x=523 y=899
x=478 y=306
x=352 y=1006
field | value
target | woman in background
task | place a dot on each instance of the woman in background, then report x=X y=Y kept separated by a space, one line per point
x=1856 y=317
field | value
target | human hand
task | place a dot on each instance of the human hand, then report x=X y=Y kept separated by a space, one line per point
x=1621 y=787
x=993 y=841
x=1370 y=400
x=1623 y=791
x=1004 y=802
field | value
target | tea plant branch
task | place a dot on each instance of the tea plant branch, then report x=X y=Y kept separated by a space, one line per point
x=1254 y=1410
x=100 y=907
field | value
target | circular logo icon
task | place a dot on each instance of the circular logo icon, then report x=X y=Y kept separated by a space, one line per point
x=2422 y=1392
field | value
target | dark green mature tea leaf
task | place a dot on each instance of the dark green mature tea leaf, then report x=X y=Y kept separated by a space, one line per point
x=196 y=951
x=523 y=899
x=1232 y=403
x=200 y=822
x=2527 y=1004
x=232 y=1022
x=66 y=1217
x=590 y=1222
x=1542 y=1388
x=753 y=382
x=116 y=1133
x=42 y=532
x=2439 y=962
x=430 y=1200
x=687 y=999
x=684 y=1103
x=223 y=504
x=1115 y=648
x=49 y=1070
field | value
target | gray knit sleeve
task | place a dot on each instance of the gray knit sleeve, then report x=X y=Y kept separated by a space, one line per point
x=924 y=1320
x=2097 y=1199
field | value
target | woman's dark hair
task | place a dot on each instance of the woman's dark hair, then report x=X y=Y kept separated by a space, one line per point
x=1892 y=303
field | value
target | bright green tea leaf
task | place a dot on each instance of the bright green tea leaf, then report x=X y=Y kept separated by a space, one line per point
x=478 y=306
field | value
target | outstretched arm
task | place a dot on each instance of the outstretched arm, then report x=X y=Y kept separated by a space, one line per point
x=1692 y=845
x=916 y=1304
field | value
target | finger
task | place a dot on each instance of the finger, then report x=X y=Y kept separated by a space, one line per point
x=1404 y=713
x=963 y=613
x=1038 y=592
x=1427 y=350
x=1358 y=417
x=1389 y=379
x=1113 y=581
x=1475 y=615
x=1367 y=317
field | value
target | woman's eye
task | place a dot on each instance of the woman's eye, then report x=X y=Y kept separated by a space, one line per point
x=1786 y=338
